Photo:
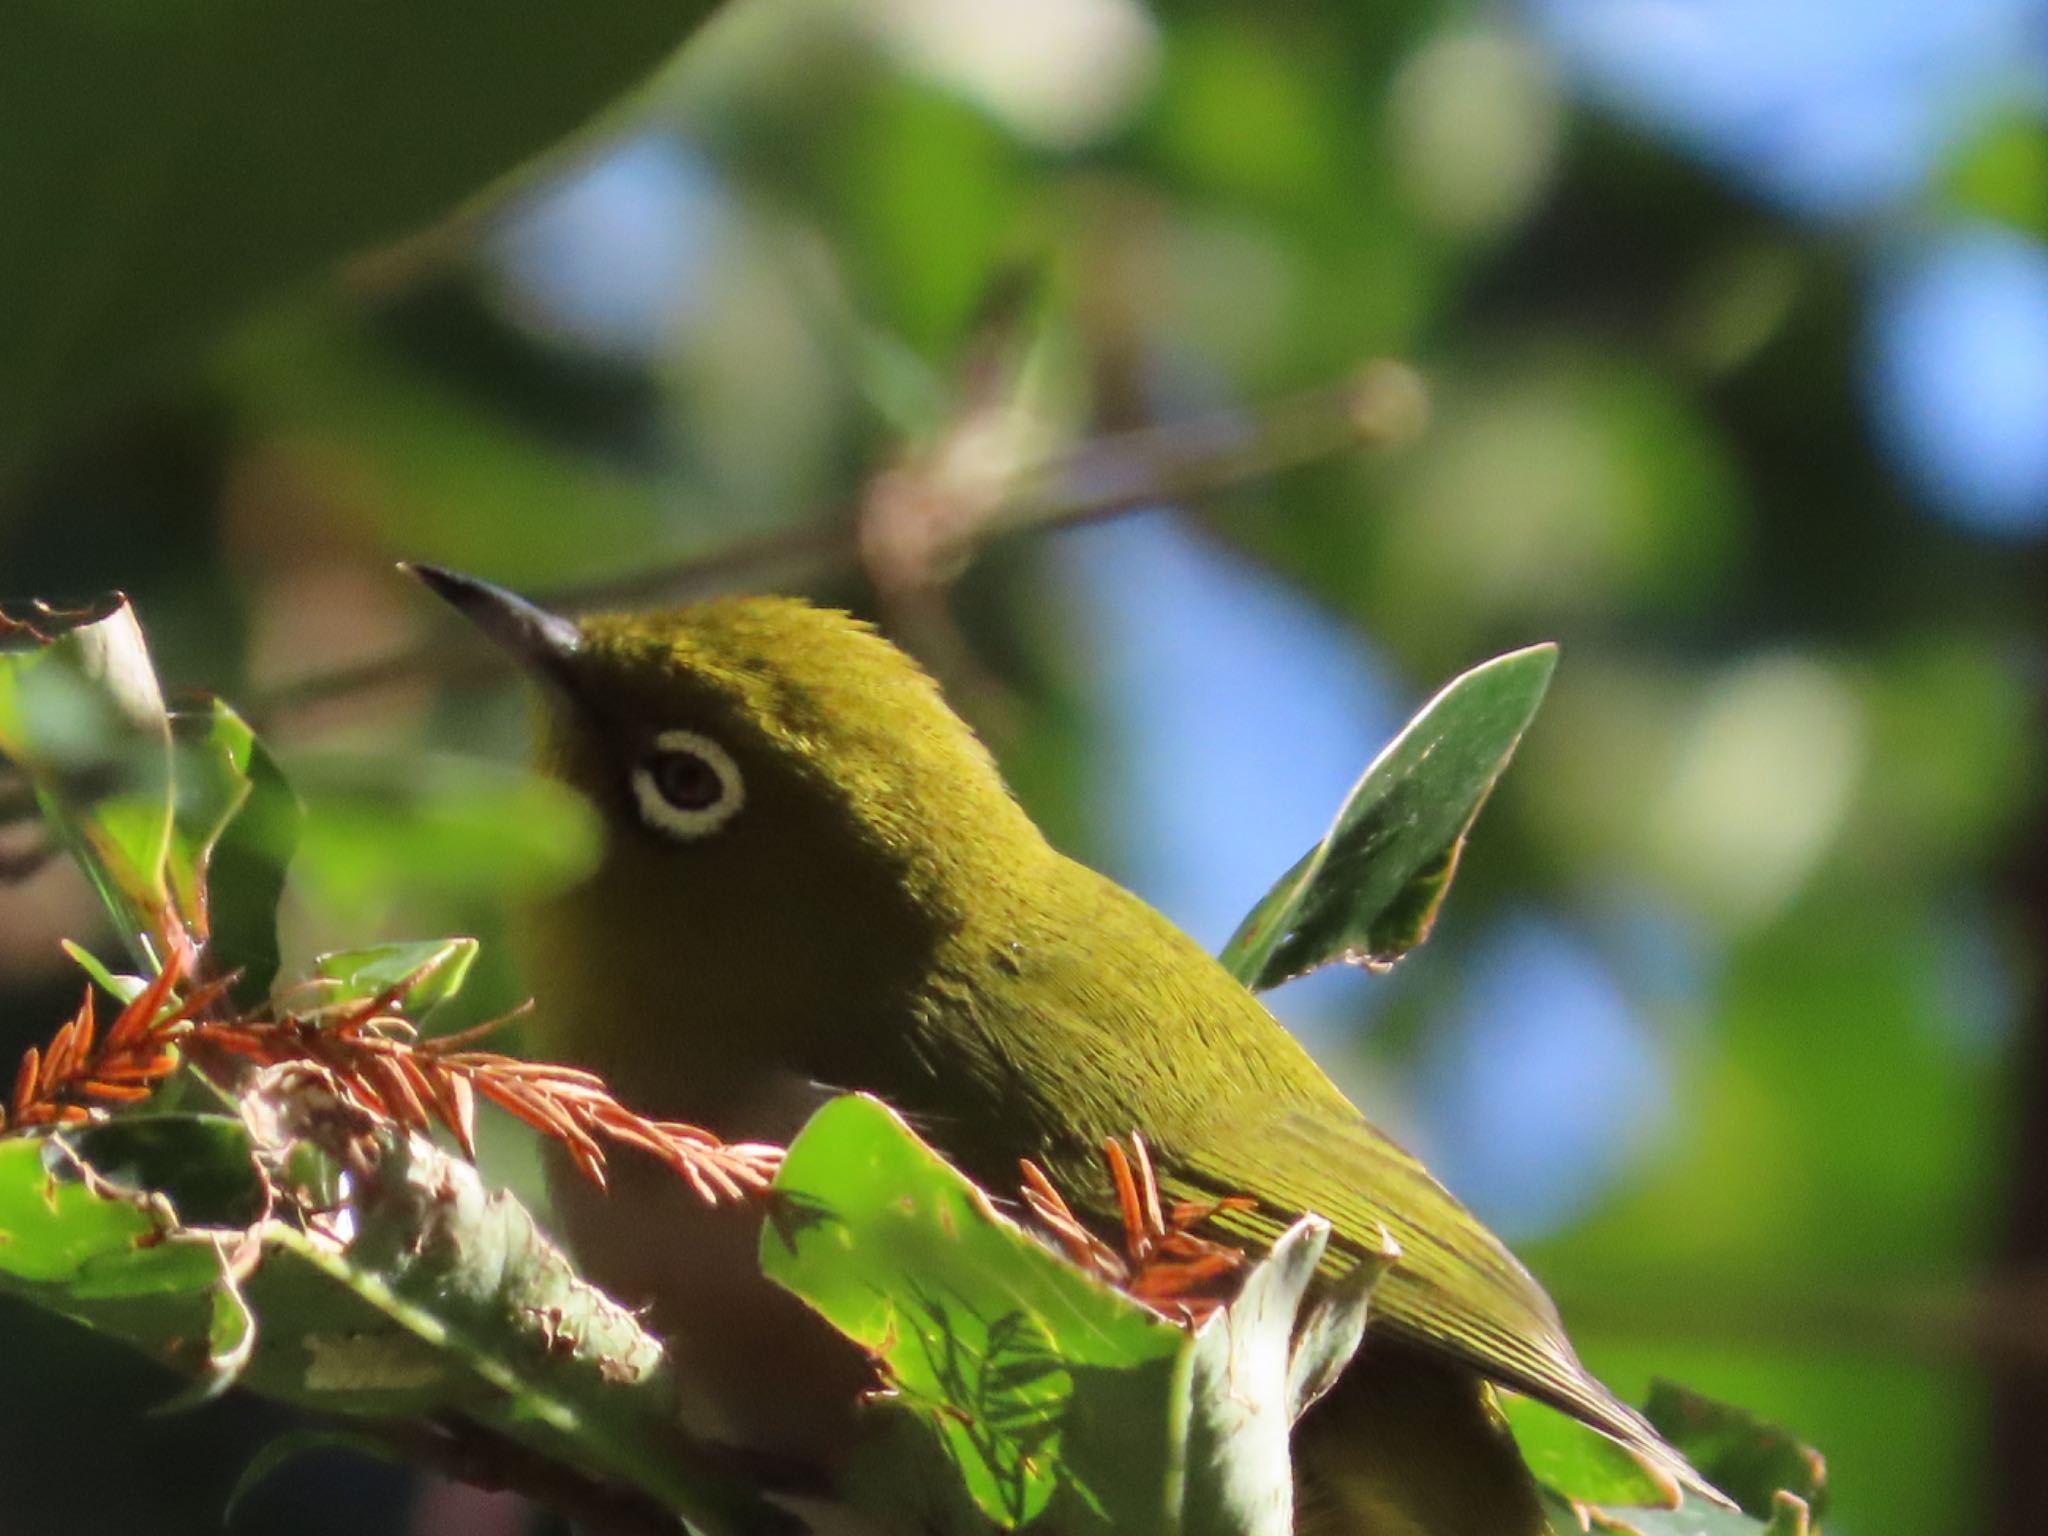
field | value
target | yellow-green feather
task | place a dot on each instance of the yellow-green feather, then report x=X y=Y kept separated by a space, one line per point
x=881 y=915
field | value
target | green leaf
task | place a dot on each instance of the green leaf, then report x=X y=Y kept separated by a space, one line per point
x=1368 y=892
x=452 y=826
x=1049 y=1391
x=1780 y=1484
x=234 y=825
x=209 y=780
x=64 y=1225
x=423 y=975
x=1746 y=1458
x=126 y=988
x=2002 y=173
x=187 y=161
x=184 y=827
x=1692 y=1518
x=1579 y=1463
x=246 y=875
x=1060 y=1403
x=82 y=716
x=202 y=1166
x=425 y=1296
x=448 y=1300
x=51 y=1225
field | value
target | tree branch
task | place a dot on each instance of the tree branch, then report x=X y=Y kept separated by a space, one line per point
x=1383 y=404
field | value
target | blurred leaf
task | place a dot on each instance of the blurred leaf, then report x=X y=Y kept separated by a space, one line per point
x=1787 y=1237
x=929 y=192
x=184 y=162
x=82 y=716
x=1747 y=1459
x=449 y=476
x=1252 y=108
x=126 y=988
x=1042 y=1383
x=1952 y=756
x=209 y=781
x=1779 y=1483
x=1578 y=1462
x=1369 y=890
x=430 y=973
x=232 y=834
x=2002 y=173
x=447 y=825
x=246 y=875
x=1558 y=484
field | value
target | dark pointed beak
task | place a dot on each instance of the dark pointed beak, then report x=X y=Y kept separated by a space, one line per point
x=538 y=640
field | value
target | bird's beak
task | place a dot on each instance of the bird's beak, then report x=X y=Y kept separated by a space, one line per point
x=540 y=641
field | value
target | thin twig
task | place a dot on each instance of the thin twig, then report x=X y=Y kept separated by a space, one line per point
x=1379 y=405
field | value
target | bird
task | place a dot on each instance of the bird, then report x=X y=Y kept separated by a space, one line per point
x=814 y=880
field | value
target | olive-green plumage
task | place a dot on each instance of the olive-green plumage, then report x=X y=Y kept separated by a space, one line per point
x=851 y=899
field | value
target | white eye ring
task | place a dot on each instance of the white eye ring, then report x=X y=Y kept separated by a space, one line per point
x=689 y=807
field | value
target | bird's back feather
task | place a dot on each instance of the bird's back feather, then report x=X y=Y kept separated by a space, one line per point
x=1121 y=1016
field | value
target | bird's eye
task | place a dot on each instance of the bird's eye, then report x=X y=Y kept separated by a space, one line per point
x=688 y=785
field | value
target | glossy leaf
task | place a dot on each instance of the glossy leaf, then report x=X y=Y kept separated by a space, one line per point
x=1369 y=891
x=65 y=1224
x=1048 y=1390
x=1060 y=1403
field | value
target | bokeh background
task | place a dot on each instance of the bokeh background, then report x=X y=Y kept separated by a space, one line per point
x=1707 y=337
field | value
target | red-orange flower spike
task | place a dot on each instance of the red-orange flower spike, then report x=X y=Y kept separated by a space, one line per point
x=371 y=1055
x=1164 y=1264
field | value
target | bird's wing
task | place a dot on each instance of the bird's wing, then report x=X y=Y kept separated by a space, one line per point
x=1118 y=1021
x=1456 y=1290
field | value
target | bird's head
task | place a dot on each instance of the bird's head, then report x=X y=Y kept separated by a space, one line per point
x=782 y=790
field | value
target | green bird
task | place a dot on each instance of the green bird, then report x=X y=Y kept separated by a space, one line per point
x=814 y=880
